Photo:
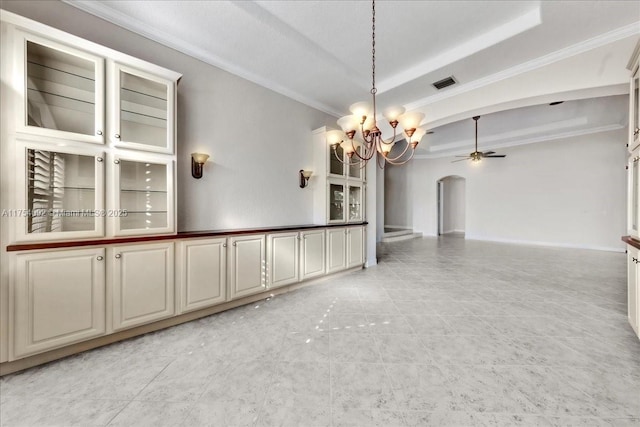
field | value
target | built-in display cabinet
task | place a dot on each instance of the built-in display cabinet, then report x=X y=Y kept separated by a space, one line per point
x=339 y=183
x=90 y=141
x=633 y=199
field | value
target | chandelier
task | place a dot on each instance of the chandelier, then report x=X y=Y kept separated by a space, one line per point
x=363 y=119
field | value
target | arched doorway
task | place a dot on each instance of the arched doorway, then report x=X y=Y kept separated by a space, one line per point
x=451 y=205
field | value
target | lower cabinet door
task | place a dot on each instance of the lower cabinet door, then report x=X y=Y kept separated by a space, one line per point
x=202 y=271
x=355 y=246
x=59 y=299
x=633 y=296
x=247 y=265
x=143 y=284
x=283 y=250
x=336 y=249
x=312 y=254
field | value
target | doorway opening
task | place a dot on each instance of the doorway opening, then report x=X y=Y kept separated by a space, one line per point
x=451 y=205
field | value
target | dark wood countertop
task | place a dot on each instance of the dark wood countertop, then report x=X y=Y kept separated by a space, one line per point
x=631 y=241
x=178 y=236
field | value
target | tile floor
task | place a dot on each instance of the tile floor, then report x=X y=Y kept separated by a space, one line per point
x=441 y=333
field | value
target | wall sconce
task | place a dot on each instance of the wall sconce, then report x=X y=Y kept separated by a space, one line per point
x=197 y=164
x=304 y=177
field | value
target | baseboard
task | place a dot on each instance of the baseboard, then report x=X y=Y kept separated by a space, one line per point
x=548 y=244
x=402 y=227
x=371 y=262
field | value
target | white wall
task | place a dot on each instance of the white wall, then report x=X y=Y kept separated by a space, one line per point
x=397 y=197
x=258 y=140
x=453 y=200
x=565 y=192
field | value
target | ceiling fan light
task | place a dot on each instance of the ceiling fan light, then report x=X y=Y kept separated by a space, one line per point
x=411 y=120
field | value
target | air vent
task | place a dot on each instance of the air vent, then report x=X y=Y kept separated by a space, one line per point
x=556 y=103
x=441 y=84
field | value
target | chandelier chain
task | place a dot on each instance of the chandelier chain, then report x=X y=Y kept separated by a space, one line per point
x=373 y=48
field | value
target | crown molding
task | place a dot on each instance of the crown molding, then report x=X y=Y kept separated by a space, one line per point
x=115 y=17
x=559 y=55
x=526 y=141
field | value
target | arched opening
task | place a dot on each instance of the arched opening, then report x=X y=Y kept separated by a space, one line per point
x=451 y=205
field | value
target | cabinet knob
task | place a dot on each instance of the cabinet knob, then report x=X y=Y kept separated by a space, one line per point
x=99 y=159
x=99 y=258
x=116 y=161
x=99 y=132
x=116 y=136
x=636 y=131
x=224 y=245
x=234 y=243
x=118 y=256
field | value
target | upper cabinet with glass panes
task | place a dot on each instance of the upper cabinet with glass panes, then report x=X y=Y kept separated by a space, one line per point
x=68 y=95
x=142 y=107
x=342 y=164
x=63 y=90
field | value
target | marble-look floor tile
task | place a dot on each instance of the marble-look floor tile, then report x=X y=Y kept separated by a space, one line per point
x=402 y=348
x=300 y=384
x=360 y=386
x=367 y=417
x=354 y=348
x=294 y=416
x=51 y=411
x=312 y=346
x=152 y=414
x=422 y=387
x=216 y=414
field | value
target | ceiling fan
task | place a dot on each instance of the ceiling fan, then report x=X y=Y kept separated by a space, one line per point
x=476 y=156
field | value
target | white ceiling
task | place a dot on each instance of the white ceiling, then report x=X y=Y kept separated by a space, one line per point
x=504 y=54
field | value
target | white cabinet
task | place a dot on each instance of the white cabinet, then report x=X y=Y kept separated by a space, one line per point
x=143 y=195
x=633 y=195
x=355 y=246
x=336 y=249
x=345 y=248
x=338 y=186
x=247 y=265
x=283 y=262
x=312 y=254
x=634 y=108
x=142 y=110
x=201 y=271
x=633 y=290
x=61 y=89
x=142 y=283
x=59 y=299
x=77 y=107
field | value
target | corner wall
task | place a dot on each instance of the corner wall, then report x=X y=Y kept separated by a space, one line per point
x=566 y=192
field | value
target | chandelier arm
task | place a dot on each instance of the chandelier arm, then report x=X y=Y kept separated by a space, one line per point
x=393 y=161
x=392 y=140
x=335 y=153
x=369 y=151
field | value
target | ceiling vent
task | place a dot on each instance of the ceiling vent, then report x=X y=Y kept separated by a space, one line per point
x=441 y=84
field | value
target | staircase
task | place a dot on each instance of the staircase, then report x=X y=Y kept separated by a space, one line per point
x=397 y=234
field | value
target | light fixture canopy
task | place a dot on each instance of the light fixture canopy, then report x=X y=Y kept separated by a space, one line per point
x=362 y=125
x=197 y=164
x=304 y=177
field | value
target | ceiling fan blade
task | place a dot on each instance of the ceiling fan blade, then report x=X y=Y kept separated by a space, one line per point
x=486 y=153
x=461 y=160
x=466 y=157
x=497 y=155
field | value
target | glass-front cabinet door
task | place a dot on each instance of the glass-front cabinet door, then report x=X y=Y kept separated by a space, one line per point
x=356 y=169
x=635 y=109
x=143 y=110
x=144 y=199
x=63 y=90
x=355 y=202
x=336 y=159
x=634 y=194
x=336 y=202
x=61 y=193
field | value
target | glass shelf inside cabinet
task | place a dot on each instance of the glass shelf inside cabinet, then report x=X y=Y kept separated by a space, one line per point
x=60 y=90
x=336 y=202
x=143 y=195
x=143 y=110
x=60 y=192
x=336 y=167
x=355 y=170
x=355 y=197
